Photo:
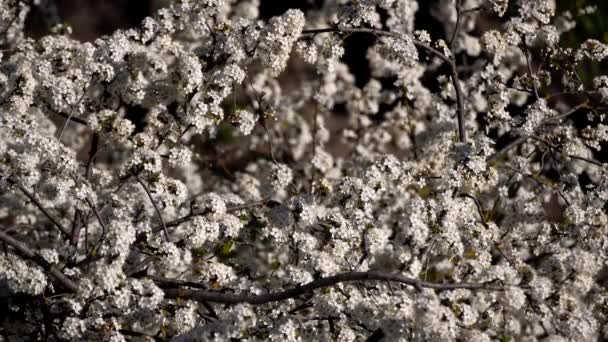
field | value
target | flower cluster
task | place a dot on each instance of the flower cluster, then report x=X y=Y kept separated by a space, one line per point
x=191 y=178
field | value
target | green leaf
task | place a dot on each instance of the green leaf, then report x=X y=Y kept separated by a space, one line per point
x=227 y=248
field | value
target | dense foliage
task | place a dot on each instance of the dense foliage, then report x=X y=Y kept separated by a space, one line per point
x=209 y=175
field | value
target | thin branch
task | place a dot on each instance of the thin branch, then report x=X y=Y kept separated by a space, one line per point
x=458 y=22
x=479 y=209
x=421 y=45
x=529 y=64
x=173 y=290
x=37 y=203
x=28 y=253
x=314 y=149
x=158 y=213
x=257 y=104
x=71 y=118
x=522 y=139
x=95 y=211
x=77 y=223
x=541 y=182
x=65 y=125
x=549 y=144
x=485 y=224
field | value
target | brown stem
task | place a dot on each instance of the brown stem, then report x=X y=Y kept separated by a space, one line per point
x=37 y=203
x=71 y=118
x=28 y=253
x=77 y=223
x=458 y=22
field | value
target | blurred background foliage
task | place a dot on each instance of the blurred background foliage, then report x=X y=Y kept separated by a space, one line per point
x=593 y=26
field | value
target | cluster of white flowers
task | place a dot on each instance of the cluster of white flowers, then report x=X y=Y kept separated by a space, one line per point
x=246 y=121
x=399 y=50
x=278 y=39
x=20 y=277
x=281 y=176
x=139 y=201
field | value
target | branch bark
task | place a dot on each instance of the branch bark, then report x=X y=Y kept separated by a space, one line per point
x=173 y=289
x=28 y=253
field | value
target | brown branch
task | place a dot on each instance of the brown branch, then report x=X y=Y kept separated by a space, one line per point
x=420 y=45
x=37 y=203
x=526 y=52
x=71 y=118
x=28 y=253
x=158 y=213
x=458 y=22
x=77 y=223
x=95 y=211
x=172 y=290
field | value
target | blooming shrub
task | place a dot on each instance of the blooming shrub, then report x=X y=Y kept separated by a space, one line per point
x=209 y=175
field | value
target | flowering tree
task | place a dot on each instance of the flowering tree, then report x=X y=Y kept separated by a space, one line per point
x=212 y=176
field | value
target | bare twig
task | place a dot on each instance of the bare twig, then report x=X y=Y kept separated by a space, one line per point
x=158 y=213
x=549 y=144
x=541 y=182
x=71 y=118
x=173 y=290
x=529 y=64
x=77 y=223
x=28 y=253
x=95 y=211
x=65 y=125
x=257 y=103
x=485 y=224
x=522 y=139
x=458 y=22
x=37 y=203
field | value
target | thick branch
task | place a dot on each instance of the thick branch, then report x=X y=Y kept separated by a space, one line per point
x=172 y=289
x=420 y=45
x=27 y=252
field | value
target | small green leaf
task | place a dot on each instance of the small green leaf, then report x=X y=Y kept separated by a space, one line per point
x=227 y=248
